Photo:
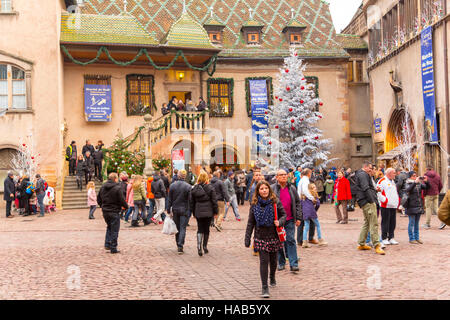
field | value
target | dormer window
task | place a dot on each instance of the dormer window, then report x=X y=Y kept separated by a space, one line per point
x=215 y=37
x=295 y=38
x=253 y=38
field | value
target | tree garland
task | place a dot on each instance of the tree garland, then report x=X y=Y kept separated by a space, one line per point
x=162 y=126
x=212 y=61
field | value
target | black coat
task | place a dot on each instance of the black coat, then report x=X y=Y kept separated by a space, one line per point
x=89 y=148
x=110 y=198
x=221 y=190
x=80 y=168
x=179 y=197
x=158 y=188
x=98 y=156
x=203 y=201
x=263 y=233
x=365 y=189
x=123 y=187
x=414 y=205
x=89 y=164
x=9 y=188
x=166 y=182
x=296 y=207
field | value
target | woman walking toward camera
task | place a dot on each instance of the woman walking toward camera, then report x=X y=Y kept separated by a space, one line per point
x=203 y=204
x=266 y=213
x=92 y=199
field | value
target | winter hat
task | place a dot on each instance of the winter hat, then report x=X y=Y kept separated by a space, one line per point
x=230 y=173
x=411 y=173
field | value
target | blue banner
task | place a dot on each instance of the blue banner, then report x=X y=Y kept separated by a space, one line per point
x=429 y=100
x=259 y=103
x=97 y=102
x=377 y=124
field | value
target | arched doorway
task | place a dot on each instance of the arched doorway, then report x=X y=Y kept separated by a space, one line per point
x=6 y=155
x=400 y=129
x=225 y=157
x=186 y=149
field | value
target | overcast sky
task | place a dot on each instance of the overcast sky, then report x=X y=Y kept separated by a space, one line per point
x=342 y=12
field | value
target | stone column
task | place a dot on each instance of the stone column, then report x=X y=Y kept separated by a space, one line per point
x=148 y=170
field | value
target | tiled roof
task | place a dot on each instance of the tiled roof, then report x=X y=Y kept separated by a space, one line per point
x=104 y=29
x=213 y=22
x=158 y=16
x=294 y=23
x=350 y=41
x=252 y=23
x=186 y=32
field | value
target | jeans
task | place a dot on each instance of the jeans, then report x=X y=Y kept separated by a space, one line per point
x=368 y=238
x=33 y=208
x=266 y=259
x=181 y=223
x=160 y=207
x=151 y=209
x=413 y=227
x=112 y=230
x=72 y=164
x=431 y=207
x=8 y=208
x=370 y=224
x=388 y=222
x=290 y=244
x=306 y=229
x=98 y=170
x=40 y=199
x=139 y=210
x=312 y=231
x=92 y=210
x=129 y=211
x=234 y=204
x=247 y=192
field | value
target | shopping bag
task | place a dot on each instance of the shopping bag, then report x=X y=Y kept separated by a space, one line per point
x=169 y=226
x=280 y=230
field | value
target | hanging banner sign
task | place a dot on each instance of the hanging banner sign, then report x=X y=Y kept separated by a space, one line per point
x=377 y=125
x=97 y=102
x=429 y=99
x=259 y=103
x=178 y=160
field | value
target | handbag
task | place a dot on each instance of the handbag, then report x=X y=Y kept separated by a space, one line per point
x=280 y=230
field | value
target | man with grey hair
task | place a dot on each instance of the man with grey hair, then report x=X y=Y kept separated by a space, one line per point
x=389 y=202
x=9 y=191
x=40 y=193
x=177 y=208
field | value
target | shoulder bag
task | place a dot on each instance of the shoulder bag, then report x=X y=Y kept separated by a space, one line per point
x=280 y=230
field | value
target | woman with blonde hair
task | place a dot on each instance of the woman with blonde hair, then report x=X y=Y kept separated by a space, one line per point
x=203 y=205
x=139 y=199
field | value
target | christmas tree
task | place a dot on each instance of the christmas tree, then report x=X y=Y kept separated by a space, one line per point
x=120 y=159
x=292 y=138
x=25 y=161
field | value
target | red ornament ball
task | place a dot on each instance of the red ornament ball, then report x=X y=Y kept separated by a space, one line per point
x=266 y=112
x=303 y=79
x=320 y=103
x=317 y=138
x=302 y=87
x=290 y=109
x=288 y=89
x=304 y=140
x=292 y=120
x=270 y=142
x=292 y=128
x=276 y=127
x=23 y=144
x=295 y=54
x=320 y=117
x=302 y=119
x=301 y=101
x=32 y=157
x=276 y=98
x=287 y=70
x=281 y=99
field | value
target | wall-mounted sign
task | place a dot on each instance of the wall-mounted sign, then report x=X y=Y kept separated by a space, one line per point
x=259 y=106
x=429 y=100
x=377 y=125
x=97 y=102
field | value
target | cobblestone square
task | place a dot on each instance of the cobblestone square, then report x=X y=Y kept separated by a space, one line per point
x=61 y=256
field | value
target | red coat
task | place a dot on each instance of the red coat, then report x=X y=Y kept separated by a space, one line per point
x=343 y=189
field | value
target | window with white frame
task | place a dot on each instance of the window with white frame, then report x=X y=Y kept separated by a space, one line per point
x=5 y=6
x=13 y=91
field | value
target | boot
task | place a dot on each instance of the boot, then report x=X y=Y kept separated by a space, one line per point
x=205 y=243
x=305 y=244
x=199 y=243
x=265 y=292
x=322 y=242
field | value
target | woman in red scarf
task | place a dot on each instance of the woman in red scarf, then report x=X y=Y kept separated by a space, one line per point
x=341 y=196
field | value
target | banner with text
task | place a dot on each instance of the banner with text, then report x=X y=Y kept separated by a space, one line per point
x=97 y=102
x=259 y=103
x=429 y=100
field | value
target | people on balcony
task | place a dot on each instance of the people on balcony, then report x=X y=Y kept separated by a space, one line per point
x=164 y=109
x=201 y=104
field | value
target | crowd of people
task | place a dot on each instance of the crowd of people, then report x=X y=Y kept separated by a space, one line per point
x=281 y=203
x=179 y=105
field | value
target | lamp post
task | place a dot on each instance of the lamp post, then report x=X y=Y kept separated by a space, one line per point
x=148 y=170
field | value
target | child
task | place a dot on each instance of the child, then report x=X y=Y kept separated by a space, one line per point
x=329 y=186
x=310 y=213
x=92 y=199
x=80 y=170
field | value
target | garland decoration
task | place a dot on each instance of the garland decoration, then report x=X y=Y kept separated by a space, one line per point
x=211 y=62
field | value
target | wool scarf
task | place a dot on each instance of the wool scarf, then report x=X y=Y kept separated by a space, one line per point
x=264 y=213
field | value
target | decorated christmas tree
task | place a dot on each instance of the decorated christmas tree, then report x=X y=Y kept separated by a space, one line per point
x=120 y=159
x=292 y=138
x=25 y=161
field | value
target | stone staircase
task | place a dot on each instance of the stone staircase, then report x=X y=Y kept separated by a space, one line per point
x=73 y=198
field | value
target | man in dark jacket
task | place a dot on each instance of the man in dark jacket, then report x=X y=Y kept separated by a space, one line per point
x=222 y=198
x=87 y=147
x=98 y=159
x=165 y=179
x=159 y=190
x=71 y=156
x=366 y=196
x=9 y=190
x=432 y=195
x=291 y=203
x=40 y=193
x=178 y=206
x=248 y=183
x=110 y=199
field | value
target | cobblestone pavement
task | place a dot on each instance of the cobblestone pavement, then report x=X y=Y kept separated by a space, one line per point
x=61 y=256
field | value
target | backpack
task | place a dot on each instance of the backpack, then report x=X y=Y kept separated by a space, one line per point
x=30 y=188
